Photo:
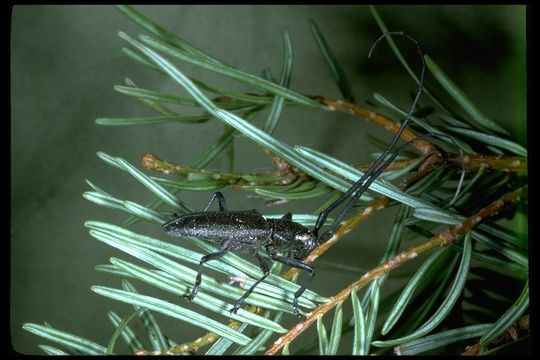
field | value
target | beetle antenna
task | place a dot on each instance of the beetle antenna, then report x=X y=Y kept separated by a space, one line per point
x=360 y=186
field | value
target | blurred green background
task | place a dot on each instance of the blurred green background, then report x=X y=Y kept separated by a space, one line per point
x=65 y=60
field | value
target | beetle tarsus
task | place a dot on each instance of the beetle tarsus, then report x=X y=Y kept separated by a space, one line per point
x=297 y=312
x=299 y=315
x=235 y=308
x=191 y=295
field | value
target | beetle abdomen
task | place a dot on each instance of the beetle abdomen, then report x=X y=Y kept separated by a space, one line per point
x=240 y=226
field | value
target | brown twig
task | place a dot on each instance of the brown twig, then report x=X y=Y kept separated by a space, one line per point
x=187 y=347
x=153 y=163
x=394 y=165
x=444 y=238
x=423 y=146
x=195 y=345
x=519 y=328
x=495 y=162
x=470 y=162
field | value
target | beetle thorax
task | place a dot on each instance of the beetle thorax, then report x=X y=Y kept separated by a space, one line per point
x=294 y=238
x=305 y=243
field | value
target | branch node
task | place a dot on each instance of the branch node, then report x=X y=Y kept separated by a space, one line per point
x=447 y=237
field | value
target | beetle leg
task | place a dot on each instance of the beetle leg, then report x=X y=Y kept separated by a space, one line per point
x=221 y=201
x=299 y=265
x=198 y=280
x=287 y=216
x=265 y=269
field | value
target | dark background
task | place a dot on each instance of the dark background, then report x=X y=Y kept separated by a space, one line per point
x=65 y=60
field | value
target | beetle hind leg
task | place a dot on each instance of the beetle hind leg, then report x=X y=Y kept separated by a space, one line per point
x=299 y=265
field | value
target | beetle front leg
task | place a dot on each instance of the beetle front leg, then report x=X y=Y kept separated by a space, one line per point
x=221 y=201
x=299 y=265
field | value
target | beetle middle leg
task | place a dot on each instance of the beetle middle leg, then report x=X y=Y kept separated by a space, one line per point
x=206 y=258
x=222 y=207
x=299 y=265
x=198 y=280
x=266 y=271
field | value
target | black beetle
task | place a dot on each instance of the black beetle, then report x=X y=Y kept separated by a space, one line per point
x=248 y=231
